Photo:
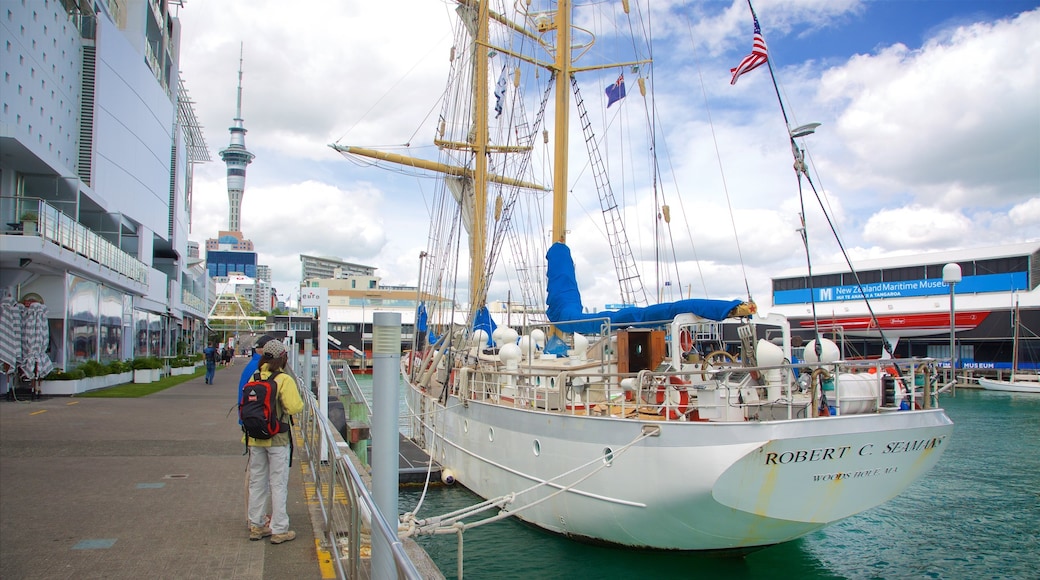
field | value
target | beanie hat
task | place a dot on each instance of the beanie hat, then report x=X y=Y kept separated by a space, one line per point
x=274 y=348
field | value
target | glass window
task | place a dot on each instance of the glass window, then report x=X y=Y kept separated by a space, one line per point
x=110 y=339
x=1002 y=265
x=789 y=283
x=902 y=274
x=865 y=277
x=824 y=280
x=155 y=334
x=82 y=314
x=140 y=333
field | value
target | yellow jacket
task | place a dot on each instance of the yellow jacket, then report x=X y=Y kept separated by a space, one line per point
x=289 y=402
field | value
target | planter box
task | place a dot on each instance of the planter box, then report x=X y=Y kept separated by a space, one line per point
x=177 y=371
x=85 y=384
x=61 y=387
x=144 y=376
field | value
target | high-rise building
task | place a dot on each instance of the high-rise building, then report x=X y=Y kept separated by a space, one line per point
x=99 y=138
x=318 y=268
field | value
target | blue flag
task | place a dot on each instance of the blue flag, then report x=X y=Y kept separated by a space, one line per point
x=500 y=92
x=616 y=91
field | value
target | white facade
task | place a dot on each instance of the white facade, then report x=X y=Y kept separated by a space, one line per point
x=909 y=305
x=935 y=301
x=99 y=143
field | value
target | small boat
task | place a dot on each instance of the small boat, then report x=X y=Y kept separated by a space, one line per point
x=643 y=426
x=1019 y=382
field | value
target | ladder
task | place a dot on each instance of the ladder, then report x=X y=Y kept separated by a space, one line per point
x=632 y=291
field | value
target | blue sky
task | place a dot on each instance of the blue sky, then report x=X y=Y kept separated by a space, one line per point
x=930 y=136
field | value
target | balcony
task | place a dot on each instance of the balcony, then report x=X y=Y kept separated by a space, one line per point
x=66 y=244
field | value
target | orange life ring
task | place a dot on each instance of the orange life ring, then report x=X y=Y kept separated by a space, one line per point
x=683 y=407
x=685 y=340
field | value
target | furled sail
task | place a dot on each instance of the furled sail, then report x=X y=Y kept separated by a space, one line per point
x=566 y=311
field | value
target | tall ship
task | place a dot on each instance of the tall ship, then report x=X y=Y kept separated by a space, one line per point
x=630 y=426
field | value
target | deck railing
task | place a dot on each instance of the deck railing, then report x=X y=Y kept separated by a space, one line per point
x=349 y=513
x=715 y=393
x=59 y=228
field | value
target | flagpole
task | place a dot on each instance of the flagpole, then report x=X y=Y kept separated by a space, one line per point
x=772 y=75
x=800 y=170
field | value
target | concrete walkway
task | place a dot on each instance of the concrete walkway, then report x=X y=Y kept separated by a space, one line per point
x=139 y=488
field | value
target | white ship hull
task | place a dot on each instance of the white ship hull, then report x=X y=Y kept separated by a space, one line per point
x=695 y=485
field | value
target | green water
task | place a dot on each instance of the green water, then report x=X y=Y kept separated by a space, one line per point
x=976 y=515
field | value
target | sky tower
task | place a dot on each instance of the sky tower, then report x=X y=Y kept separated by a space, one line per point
x=236 y=157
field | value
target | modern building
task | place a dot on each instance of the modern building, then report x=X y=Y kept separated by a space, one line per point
x=355 y=295
x=318 y=268
x=904 y=301
x=229 y=254
x=98 y=139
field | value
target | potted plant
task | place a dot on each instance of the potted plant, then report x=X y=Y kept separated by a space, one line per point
x=29 y=219
x=182 y=365
x=119 y=372
x=60 y=382
x=147 y=369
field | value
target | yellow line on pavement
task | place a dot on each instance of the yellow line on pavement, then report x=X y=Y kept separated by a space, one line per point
x=324 y=561
x=38 y=412
x=73 y=403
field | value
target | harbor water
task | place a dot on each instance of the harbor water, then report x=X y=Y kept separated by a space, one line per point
x=976 y=515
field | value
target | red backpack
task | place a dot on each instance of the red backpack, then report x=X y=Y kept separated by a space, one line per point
x=258 y=410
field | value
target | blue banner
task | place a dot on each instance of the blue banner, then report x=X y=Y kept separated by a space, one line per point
x=904 y=289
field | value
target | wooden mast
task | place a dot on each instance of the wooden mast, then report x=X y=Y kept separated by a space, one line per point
x=478 y=233
x=563 y=70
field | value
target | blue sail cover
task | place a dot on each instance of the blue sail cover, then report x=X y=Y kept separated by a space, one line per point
x=421 y=317
x=484 y=322
x=564 y=302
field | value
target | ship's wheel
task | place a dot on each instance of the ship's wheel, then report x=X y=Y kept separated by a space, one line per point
x=714 y=360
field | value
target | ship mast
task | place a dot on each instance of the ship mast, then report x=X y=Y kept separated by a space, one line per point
x=478 y=236
x=562 y=68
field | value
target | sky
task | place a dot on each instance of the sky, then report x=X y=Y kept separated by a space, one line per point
x=929 y=137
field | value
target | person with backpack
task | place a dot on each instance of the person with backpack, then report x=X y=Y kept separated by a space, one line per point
x=268 y=402
x=253 y=365
x=211 y=361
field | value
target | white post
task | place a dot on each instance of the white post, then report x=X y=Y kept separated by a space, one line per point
x=319 y=297
x=386 y=368
x=952 y=275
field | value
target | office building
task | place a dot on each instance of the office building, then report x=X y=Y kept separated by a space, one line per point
x=98 y=139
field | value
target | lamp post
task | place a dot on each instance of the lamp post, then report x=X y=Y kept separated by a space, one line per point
x=951 y=275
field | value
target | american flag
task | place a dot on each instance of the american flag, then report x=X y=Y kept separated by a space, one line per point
x=757 y=58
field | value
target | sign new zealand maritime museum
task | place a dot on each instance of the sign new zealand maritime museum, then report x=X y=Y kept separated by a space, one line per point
x=903 y=289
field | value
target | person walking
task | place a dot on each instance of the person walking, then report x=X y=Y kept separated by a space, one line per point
x=269 y=458
x=211 y=361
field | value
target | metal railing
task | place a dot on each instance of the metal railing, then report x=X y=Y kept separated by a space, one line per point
x=711 y=392
x=349 y=513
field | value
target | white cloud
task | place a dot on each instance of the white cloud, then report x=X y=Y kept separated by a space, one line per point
x=952 y=123
x=1027 y=215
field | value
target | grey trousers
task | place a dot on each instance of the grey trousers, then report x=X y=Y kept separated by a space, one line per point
x=269 y=482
